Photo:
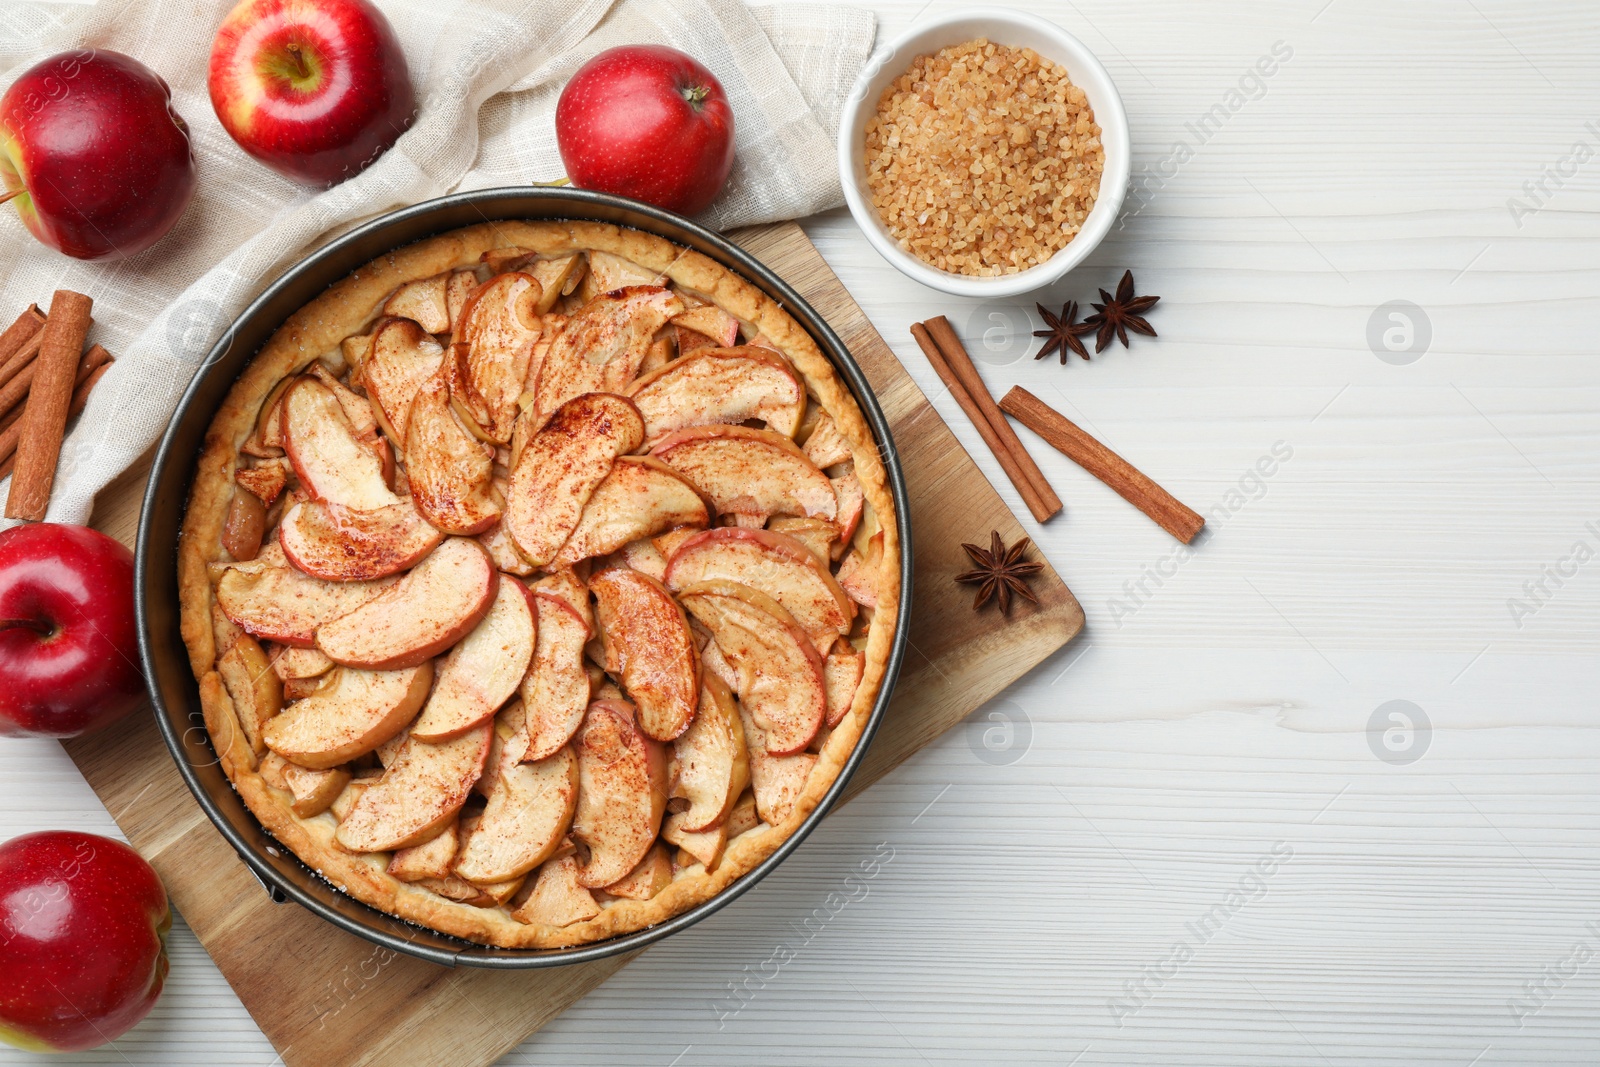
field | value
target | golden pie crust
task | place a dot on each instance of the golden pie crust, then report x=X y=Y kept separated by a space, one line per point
x=348 y=308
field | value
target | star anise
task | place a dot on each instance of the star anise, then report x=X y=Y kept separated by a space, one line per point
x=1000 y=572
x=1120 y=313
x=1063 y=332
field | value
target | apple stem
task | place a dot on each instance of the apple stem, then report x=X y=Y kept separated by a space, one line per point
x=301 y=69
x=695 y=94
x=6 y=198
x=38 y=626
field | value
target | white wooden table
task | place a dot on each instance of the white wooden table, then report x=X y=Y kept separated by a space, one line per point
x=1197 y=836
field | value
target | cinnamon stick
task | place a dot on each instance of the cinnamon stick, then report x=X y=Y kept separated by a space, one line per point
x=44 y=422
x=14 y=395
x=95 y=358
x=16 y=372
x=10 y=420
x=89 y=375
x=17 y=336
x=15 y=392
x=1041 y=508
x=80 y=400
x=1068 y=438
x=80 y=393
x=955 y=354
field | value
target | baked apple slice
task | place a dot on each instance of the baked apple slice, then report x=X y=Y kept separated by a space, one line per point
x=419 y=794
x=774 y=563
x=689 y=340
x=609 y=272
x=256 y=691
x=713 y=663
x=266 y=440
x=643 y=556
x=299 y=663
x=351 y=715
x=488 y=895
x=423 y=302
x=355 y=407
x=668 y=543
x=852 y=502
x=402 y=357
x=749 y=472
x=507 y=258
x=300 y=688
x=649 y=877
x=498 y=328
x=826 y=446
x=464 y=892
x=622 y=792
x=560 y=466
x=451 y=474
x=779 y=671
x=507 y=741
x=841 y=677
x=818 y=535
x=567 y=587
x=265 y=480
x=743 y=818
x=529 y=811
x=314 y=790
x=497 y=542
x=355 y=350
x=556 y=277
x=346 y=800
x=555 y=691
x=710 y=764
x=639 y=498
x=648 y=645
x=557 y=898
x=458 y=290
x=601 y=347
x=777 y=781
x=658 y=355
x=244 y=525
x=712 y=322
x=429 y=609
x=432 y=859
x=720 y=386
x=340 y=544
x=702 y=846
x=482 y=672
x=271 y=768
x=332 y=462
x=276 y=602
x=858 y=573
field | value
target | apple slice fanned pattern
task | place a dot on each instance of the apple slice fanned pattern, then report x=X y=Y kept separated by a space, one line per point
x=544 y=589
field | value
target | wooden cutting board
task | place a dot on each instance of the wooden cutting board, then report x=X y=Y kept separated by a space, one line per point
x=323 y=996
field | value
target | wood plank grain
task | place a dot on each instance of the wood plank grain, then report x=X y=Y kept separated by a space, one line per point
x=323 y=996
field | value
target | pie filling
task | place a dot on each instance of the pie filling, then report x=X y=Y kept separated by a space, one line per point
x=539 y=579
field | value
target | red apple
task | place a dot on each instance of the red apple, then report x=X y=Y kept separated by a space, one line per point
x=649 y=122
x=69 y=651
x=83 y=940
x=315 y=89
x=103 y=161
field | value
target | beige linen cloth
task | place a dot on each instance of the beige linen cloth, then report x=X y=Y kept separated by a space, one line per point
x=487 y=75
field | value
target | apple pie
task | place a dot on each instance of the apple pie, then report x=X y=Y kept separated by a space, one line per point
x=539 y=578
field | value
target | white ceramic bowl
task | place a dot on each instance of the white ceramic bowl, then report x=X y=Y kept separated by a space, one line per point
x=1019 y=30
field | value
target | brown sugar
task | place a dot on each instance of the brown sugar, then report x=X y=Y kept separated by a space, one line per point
x=983 y=159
